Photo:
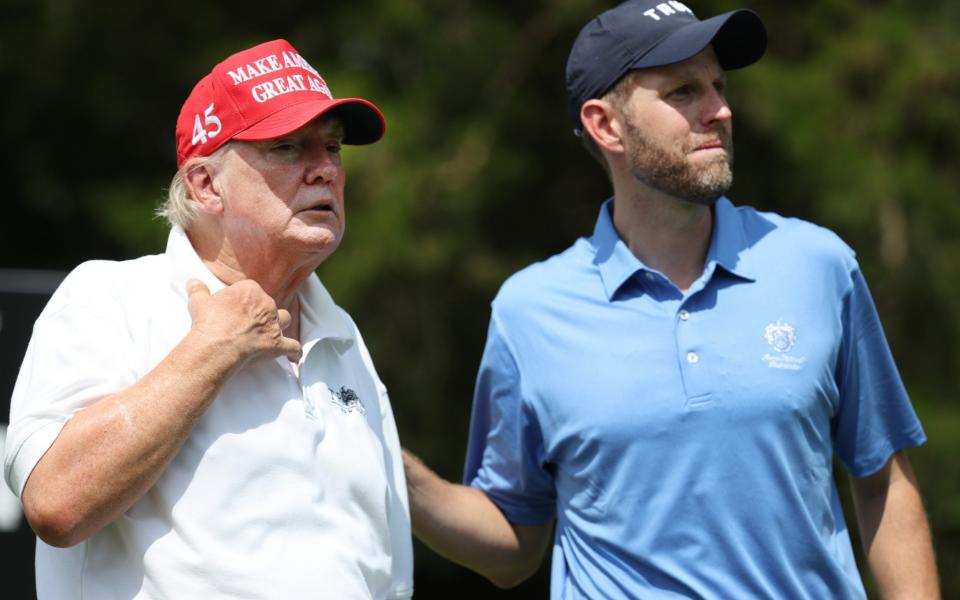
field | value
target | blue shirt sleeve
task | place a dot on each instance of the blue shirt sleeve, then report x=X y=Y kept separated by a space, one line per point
x=505 y=453
x=875 y=417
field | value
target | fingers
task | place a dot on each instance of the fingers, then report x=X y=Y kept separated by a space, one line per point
x=291 y=348
x=284 y=318
x=244 y=316
x=288 y=346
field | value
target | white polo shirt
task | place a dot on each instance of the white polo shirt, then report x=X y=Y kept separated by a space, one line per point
x=288 y=487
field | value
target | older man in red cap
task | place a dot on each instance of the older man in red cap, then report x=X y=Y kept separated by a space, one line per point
x=207 y=422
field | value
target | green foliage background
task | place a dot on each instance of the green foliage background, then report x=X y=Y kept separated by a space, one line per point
x=850 y=120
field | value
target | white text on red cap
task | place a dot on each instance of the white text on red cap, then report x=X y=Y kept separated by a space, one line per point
x=280 y=85
x=283 y=85
x=269 y=64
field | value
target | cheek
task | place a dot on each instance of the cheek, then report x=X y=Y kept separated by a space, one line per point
x=338 y=189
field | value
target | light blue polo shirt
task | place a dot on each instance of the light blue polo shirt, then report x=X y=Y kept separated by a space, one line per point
x=685 y=442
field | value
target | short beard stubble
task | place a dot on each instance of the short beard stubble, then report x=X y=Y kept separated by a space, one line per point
x=671 y=174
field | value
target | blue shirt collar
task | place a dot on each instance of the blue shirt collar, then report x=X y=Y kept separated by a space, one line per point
x=617 y=264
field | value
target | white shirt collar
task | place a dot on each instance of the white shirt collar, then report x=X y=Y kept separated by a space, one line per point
x=320 y=317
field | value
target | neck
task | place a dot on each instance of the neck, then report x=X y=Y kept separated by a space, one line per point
x=666 y=234
x=279 y=277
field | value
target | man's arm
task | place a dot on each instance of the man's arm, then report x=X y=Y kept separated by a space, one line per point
x=894 y=532
x=109 y=454
x=462 y=524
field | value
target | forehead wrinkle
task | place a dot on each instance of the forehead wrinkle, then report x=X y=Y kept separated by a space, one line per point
x=325 y=123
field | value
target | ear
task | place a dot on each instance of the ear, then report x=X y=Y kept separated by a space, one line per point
x=201 y=181
x=602 y=122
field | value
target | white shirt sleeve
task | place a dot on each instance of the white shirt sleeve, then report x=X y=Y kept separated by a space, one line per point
x=79 y=353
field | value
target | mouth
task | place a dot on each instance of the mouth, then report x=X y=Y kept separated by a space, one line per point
x=320 y=207
x=711 y=145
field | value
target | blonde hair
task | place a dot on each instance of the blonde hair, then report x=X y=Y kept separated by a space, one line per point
x=179 y=208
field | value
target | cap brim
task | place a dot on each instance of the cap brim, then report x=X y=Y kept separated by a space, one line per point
x=739 y=39
x=363 y=123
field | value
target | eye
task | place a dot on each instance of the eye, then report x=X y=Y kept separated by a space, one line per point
x=283 y=146
x=680 y=92
x=333 y=147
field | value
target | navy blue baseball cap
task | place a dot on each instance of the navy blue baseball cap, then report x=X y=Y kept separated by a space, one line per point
x=638 y=34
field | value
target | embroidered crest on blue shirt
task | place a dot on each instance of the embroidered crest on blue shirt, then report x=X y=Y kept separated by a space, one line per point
x=346 y=400
x=782 y=337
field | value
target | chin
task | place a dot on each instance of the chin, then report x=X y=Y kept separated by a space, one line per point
x=311 y=243
x=321 y=234
x=327 y=246
x=324 y=247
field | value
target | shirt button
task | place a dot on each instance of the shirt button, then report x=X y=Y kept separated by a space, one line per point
x=684 y=315
x=692 y=358
x=649 y=276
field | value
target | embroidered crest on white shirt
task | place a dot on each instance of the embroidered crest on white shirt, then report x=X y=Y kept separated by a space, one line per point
x=346 y=400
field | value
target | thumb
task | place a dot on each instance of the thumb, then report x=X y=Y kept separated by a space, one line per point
x=196 y=292
x=195 y=286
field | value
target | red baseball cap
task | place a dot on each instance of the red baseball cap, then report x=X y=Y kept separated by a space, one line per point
x=263 y=93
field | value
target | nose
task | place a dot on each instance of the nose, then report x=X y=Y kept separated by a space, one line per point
x=716 y=108
x=322 y=166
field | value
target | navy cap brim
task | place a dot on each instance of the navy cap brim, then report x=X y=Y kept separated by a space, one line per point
x=739 y=39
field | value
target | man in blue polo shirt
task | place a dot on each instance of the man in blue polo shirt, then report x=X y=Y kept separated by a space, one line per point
x=672 y=391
